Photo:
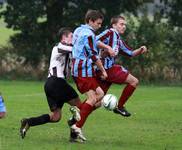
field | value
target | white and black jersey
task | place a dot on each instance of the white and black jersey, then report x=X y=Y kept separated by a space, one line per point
x=57 y=90
x=60 y=62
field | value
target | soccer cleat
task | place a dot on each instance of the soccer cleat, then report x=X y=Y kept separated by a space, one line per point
x=77 y=134
x=122 y=111
x=74 y=137
x=76 y=113
x=73 y=133
x=24 y=128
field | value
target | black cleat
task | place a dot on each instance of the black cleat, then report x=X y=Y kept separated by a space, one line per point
x=24 y=128
x=122 y=111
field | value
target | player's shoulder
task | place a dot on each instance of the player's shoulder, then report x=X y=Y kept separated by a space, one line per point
x=80 y=31
x=106 y=32
x=87 y=30
x=55 y=46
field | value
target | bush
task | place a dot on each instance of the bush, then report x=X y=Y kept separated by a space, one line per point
x=163 y=61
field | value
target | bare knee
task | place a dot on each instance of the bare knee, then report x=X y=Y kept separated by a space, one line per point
x=132 y=80
x=91 y=100
x=55 y=117
x=135 y=82
x=99 y=93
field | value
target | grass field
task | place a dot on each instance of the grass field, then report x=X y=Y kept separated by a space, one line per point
x=156 y=123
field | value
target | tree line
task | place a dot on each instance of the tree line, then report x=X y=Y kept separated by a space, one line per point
x=37 y=23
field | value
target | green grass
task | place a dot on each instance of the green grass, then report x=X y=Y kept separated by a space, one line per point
x=156 y=122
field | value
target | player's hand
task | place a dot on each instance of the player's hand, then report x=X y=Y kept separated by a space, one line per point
x=111 y=52
x=143 y=49
x=104 y=75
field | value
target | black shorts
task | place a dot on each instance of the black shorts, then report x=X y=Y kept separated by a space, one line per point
x=58 y=91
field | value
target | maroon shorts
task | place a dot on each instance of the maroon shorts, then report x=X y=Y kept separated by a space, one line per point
x=84 y=84
x=116 y=74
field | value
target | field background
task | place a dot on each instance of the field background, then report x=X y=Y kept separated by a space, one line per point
x=156 y=122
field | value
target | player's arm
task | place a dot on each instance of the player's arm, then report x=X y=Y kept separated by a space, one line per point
x=106 y=48
x=101 y=68
x=64 y=48
x=93 y=54
x=126 y=50
x=103 y=37
x=139 y=51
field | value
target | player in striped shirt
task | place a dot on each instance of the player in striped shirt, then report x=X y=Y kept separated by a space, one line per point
x=57 y=90
x=118 y=74
x=2 y=108
x=85 y=59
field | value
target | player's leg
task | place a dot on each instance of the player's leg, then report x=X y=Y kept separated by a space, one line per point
x=26 y=123
x=119 y=75
x=75 y=110
x=132 y=83
x=104 y=85
x=98 y=94
x=75 y=102
x=70 y=96
x=89 y=87
x=55 y=106
x=85 y=110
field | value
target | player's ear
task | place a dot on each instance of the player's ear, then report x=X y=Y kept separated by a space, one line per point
x=114 y=25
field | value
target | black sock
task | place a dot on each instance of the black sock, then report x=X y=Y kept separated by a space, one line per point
x=72 y=121
x=38 y=120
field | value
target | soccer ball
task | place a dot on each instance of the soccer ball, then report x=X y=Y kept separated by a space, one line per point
x=109 y=102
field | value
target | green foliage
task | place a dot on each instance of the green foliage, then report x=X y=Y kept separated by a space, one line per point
x=173 y=11
x=39 y=21
x=163 y=61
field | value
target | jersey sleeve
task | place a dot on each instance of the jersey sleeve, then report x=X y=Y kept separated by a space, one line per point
x=124 y=49
x=91 y=49
x=64 y=48
x=103 y=37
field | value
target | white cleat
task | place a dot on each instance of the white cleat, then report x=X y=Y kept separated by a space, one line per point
x=78 y=131
x=76 y=113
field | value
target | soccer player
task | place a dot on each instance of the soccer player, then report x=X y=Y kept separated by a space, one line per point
x=85 y=59
x=118 y=74
x=57 y=90
x=2 y=108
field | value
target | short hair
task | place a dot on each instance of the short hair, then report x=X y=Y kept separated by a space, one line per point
x=93 y=15
x=64 y=31
x=115 y=19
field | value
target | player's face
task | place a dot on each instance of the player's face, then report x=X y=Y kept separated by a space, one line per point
x=96 y=24
x=68 y=39
x=120 y=26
